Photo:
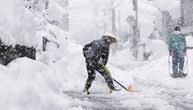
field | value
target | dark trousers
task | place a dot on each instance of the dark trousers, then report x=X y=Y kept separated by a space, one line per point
x=91 y=74
x=178 y=62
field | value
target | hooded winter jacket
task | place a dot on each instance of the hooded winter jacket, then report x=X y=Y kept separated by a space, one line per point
x=177 y=42
x=97 y=52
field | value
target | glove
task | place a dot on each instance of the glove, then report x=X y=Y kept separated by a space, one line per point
x=100 y=62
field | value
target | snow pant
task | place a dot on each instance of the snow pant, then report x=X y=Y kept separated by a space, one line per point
x=178 y=62
x=91 y=67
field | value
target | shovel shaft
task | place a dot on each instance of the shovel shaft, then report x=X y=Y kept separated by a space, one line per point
x=120 y=84
x=113 y=78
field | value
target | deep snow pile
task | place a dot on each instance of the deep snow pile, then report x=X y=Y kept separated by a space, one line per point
x=29 y=85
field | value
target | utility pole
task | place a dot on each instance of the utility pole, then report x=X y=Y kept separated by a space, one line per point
x=113 y=27
x=105 y=15
x=136 y=31
x=182 y=11
x=113 y=21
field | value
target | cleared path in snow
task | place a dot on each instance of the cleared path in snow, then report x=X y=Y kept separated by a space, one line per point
x=177 y=97
x=155 y=83
x=155 y=91
x=95 y=101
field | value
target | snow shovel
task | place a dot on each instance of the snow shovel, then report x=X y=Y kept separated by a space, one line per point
x=129 y=89
x=185 y=69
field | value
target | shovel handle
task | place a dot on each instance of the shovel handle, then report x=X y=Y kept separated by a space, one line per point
x=113 y=78
x=120 y=84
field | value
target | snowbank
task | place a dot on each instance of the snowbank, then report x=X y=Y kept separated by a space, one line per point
x=158 y=47
x=29 y=85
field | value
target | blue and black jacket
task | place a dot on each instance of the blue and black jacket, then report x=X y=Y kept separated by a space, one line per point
x=177 y=42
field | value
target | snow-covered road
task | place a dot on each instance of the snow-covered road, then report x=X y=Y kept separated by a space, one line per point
x=153 y=90
x=154 y=83
x=151 y=97
x=96 y=101
x=176 y=98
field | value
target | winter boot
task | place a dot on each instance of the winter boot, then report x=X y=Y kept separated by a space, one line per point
x=174 y=75
x=182 y=74
x=86 y=90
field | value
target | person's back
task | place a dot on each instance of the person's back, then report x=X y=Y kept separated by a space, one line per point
x=97 y=49
x=177 y=43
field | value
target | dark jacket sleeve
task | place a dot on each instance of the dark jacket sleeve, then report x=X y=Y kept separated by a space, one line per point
x=85 y=48
x=105 y=55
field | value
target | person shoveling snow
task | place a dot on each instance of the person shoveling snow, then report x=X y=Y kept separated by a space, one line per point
x=96 y=56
